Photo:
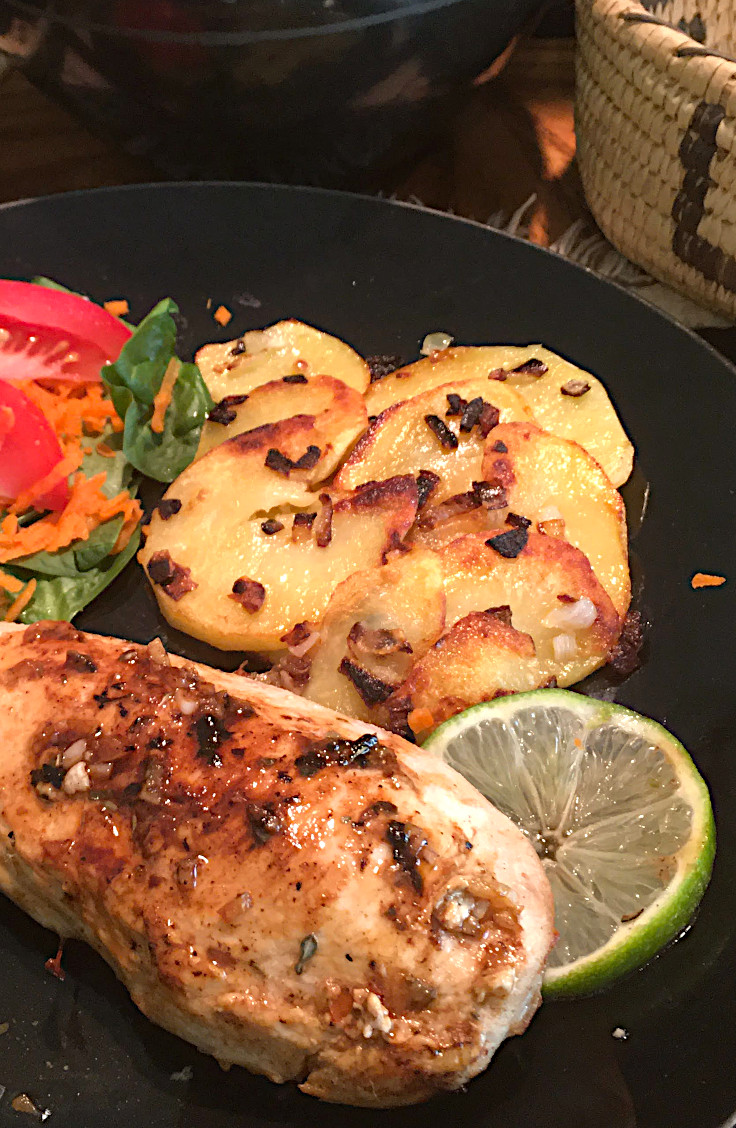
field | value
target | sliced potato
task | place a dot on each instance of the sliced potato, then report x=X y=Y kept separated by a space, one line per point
x=287 y=348
x=478 y=658
x=445 y=367
x=589 y=419
x=426 y=533
x=508 y=647
x=380 y=621
x=547 y=477
x=339 y=415
x=546 y=577
x=226 y=567
x=400 y=441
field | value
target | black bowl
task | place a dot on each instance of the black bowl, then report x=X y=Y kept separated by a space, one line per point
x=312 y=91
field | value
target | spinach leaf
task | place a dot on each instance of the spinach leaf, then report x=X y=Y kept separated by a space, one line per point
x=62 y=597
x=117 y=469
x=41 y=280
x=133 y=382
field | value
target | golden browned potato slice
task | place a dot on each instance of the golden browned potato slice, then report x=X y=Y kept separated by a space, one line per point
x=445 y=367
x=377 y=624
x=571 y=403
x=435 y=534
x=479 y=657
x=549 y=479
x=543 y=586
x=234 y=555
x=588 y=418
x=402 y=441
x=544 y=616
x=288 y=348
x=339 y=414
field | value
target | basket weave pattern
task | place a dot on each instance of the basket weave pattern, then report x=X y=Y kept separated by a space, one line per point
x=656 y=128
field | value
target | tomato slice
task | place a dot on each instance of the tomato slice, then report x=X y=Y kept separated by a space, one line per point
x=29 y=449
x=46 y=334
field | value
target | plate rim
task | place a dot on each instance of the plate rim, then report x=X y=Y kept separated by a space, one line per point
x=381 y=202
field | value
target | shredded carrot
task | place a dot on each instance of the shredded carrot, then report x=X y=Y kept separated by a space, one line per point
x=20 y=602
x=118 y=307
x=87 y=508
x=73 y=409
x=56 y=474
x=126 y=532
x=163 y=396
x=704 y=579
x=222 y=315
x=10 y=583
x=420 y=719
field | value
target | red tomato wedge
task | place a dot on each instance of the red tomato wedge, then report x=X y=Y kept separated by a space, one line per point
x=29 y=449
x=49 y=335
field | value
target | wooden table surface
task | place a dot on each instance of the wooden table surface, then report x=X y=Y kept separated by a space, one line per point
x=513 y=140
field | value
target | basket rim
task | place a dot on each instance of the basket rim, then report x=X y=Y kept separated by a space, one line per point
x=633 y=13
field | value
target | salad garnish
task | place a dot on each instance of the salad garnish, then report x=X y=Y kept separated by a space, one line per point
x=87 y=404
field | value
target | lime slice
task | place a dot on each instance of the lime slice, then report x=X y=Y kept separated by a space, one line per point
x=615 y=809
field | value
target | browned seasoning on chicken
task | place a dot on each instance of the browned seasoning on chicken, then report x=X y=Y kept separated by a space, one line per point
x=288 y=889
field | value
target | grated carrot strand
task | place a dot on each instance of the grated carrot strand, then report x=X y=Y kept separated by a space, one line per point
x=705 y=579
x=118 y=307
x=162 y=399
x=61 y=470
x=10 y=583
x=20 y=602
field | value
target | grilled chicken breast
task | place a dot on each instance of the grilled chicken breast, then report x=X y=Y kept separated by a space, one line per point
x=288 y=889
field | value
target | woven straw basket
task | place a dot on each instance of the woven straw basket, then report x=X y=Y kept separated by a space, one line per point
x=656 y=127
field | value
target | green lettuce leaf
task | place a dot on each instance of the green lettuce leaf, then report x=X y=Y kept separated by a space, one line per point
x=133 y=382
x=63 y=597
x=78 y=557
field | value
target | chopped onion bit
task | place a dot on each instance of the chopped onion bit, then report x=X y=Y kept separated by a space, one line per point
x=74 y=753
x=76 y=779
x=435 y=342
x=564 y=647
x=575 y=616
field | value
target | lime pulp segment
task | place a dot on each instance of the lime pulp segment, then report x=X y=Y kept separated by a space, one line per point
x=616 y=811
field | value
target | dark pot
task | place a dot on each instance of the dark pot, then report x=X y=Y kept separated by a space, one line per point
x=295 y=90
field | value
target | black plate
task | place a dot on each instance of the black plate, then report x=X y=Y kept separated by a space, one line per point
x=381 y=276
